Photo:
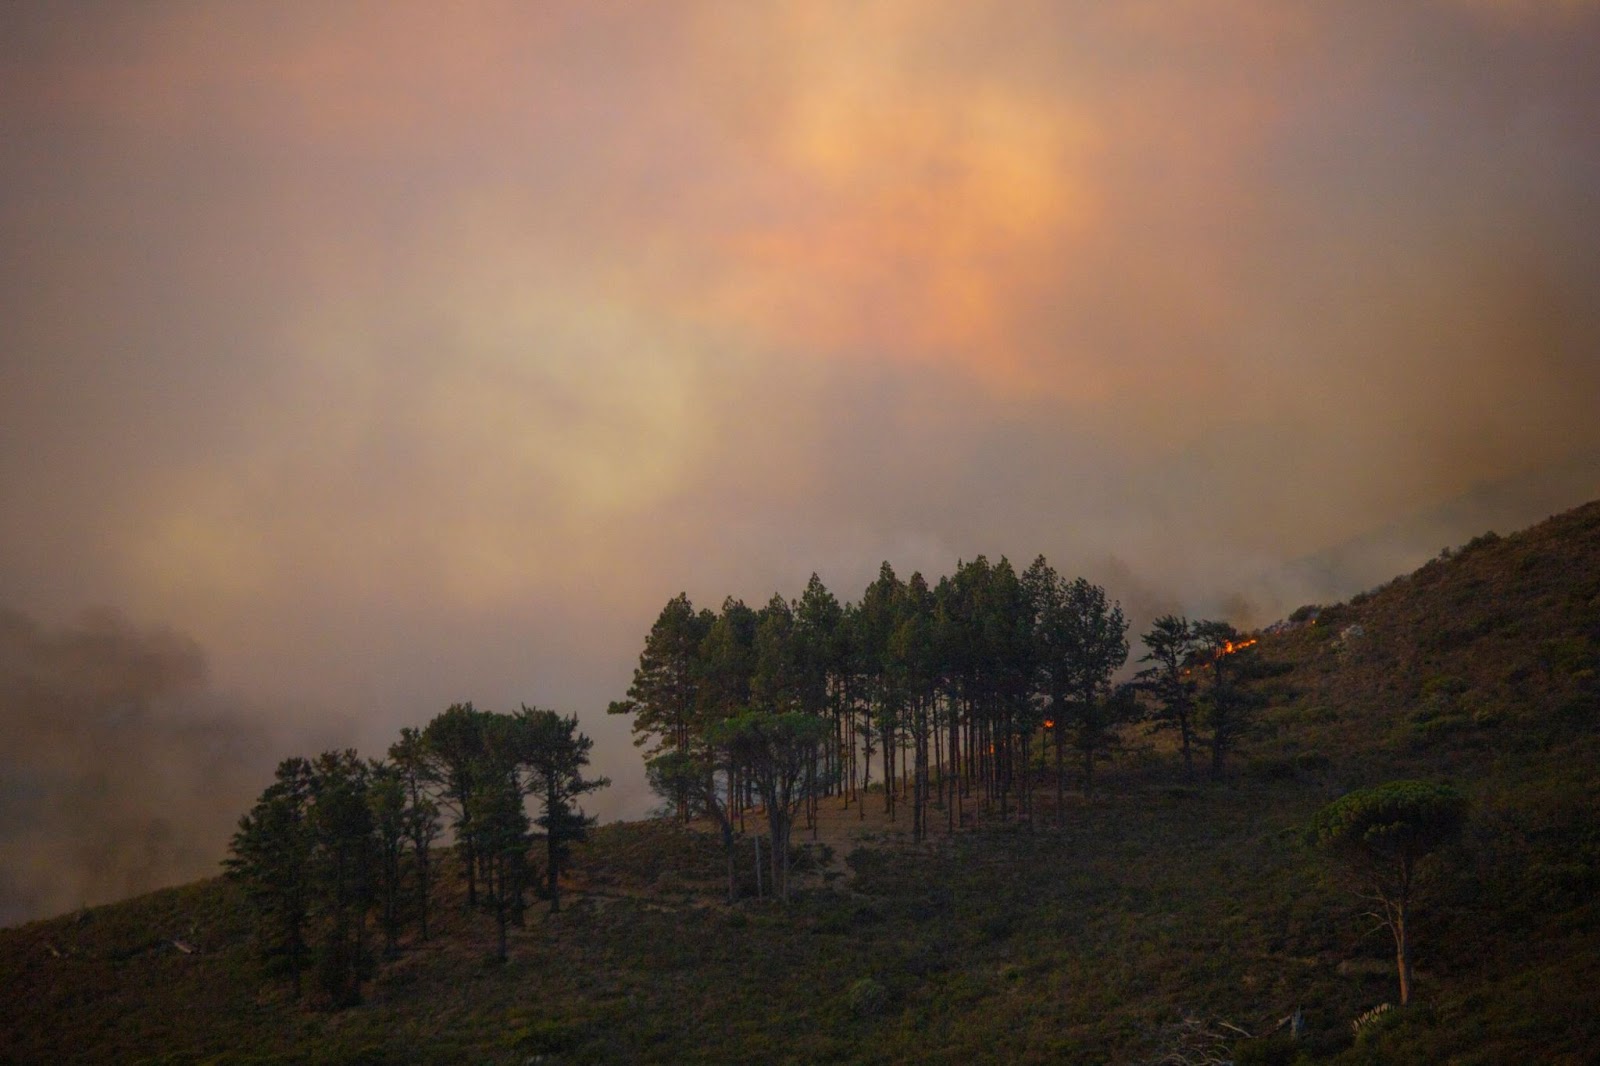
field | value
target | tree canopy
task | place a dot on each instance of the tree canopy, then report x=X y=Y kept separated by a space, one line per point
x=1382 y=835
x=336 y=840
x=954 y=687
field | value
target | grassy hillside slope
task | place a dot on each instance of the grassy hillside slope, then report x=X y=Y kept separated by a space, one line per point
x=1162 y=911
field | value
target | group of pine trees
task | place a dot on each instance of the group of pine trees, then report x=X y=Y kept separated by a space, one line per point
x=969 y=693
x=953 y=696
x=337 y=842
x=964 y=691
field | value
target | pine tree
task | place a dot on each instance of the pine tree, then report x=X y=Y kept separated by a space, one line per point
x=270 y=856
x=776 y=750
x=1225 y=659
x=504 y=837
x=1095 y=641
x=452 y=751
x=344 y=861
x=421 y=817
x=555 y=760
x=664 y=695
x=386 y=799
x=1169 y=681
x=1384 y=836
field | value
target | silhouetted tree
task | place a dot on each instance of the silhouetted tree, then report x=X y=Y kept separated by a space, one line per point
x=504 y=837
x=270 y=857
x=1095 y=645
x=386 y=799
x=664 y=696
x=819 y=662
x=555 y=757
x=1223 y=657
x=913 y=672
x=344 y=862
x=776 y=749
x=421 y=817
x=1007 y=660
x=874 y=623
x=1383 y=836
x=673 y=774
x=1169 y=680
x=453 y=752
x=1046 y=594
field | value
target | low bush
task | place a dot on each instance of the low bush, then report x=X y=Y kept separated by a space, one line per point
x=867 y=998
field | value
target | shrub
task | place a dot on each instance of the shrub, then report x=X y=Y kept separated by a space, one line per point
x=1286 y=767
x=1277 y=1050
x=1305 y=613
x=998 y=926
x=365 y=1055
x=1567 y=655
x=1578 y=710
x=1262 y=768
x=867 y=998
x=547 y=1037
x=1442 y=685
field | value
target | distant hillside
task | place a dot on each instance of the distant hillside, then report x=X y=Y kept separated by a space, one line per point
x=1166 y=922
x=1341 y=570
x=1486 y=649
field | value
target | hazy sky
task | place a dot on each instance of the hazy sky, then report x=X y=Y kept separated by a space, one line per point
x=401 y=354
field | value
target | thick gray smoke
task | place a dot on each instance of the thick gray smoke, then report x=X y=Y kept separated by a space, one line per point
x=422 y=358
x=121 y=771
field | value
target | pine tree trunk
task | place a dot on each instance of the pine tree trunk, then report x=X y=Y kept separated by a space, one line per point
x=296 y=958
x=1186 y=733
x=500 y=921
x=1061 y=774
x=1402 y=954
x=552 y=872
x=422 y=892
x=886 y=740
x=784 y=864
x=1027 y=777
x=1002 y=768
x=953 y=795
x=777 y=827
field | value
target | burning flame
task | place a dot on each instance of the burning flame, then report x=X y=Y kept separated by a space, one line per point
x=1228 y=648
x=1049 y=723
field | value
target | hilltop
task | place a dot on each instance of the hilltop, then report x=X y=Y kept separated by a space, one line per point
x=1166 y=921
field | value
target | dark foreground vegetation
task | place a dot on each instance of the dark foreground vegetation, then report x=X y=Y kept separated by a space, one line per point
x=1171 y=917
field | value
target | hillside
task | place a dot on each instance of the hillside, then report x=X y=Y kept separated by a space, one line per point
x=1165 y=922
x=1399 y=545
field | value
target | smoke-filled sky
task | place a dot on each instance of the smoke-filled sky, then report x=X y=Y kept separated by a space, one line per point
x=398 y=354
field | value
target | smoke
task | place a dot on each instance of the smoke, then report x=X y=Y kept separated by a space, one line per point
x=122 y=770
x=410 y=357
